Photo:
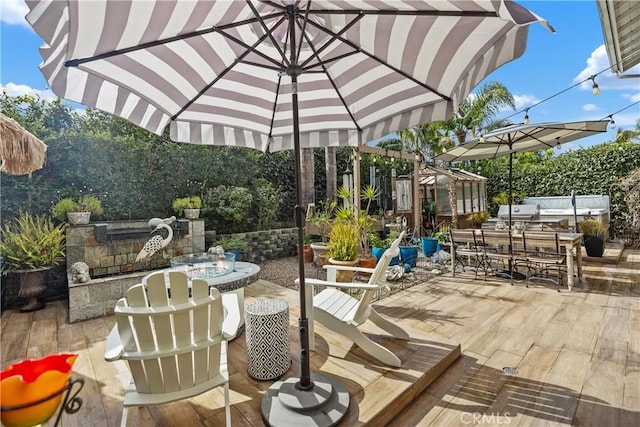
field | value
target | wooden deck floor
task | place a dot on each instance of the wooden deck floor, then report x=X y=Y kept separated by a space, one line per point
x=576 y=357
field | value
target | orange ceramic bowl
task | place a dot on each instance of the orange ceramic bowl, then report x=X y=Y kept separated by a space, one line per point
x=28 y=381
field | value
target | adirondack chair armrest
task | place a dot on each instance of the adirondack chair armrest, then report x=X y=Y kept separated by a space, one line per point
x=348 y=268
x=320 y=282
x=231 y=321
x=113 y=348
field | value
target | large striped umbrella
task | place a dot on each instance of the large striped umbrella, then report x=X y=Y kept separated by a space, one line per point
x=280 y=74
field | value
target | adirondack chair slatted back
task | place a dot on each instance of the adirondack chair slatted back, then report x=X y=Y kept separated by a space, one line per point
x=361 y=311
x=172 y=341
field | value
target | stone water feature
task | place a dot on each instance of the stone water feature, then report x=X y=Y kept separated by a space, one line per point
x=110 y=249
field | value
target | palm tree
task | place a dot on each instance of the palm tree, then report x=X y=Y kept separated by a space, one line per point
x=479 y=111
x=477 y=115
x=628 y=135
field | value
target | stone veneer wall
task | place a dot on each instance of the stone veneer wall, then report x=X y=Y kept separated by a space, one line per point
x=117 y=256
x=97 y=298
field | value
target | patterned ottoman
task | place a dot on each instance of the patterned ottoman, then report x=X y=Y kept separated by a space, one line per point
x=267 y=334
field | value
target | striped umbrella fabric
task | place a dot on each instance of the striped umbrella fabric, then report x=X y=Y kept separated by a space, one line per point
x=276 y=75
x=216 y=71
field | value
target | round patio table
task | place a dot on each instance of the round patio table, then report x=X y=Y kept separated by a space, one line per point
x=244 y=274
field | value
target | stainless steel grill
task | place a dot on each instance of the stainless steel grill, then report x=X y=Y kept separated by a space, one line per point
x=519 y=212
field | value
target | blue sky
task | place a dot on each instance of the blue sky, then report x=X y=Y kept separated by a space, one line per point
x=551 y=64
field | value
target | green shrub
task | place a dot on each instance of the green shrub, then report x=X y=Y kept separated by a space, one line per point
x=591 y=227
x=83 y=204
x=229 y=243
x=30 y=242
x=182 y=203
x=344 y=241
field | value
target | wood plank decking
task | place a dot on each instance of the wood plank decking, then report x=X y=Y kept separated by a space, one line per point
x=576 y=357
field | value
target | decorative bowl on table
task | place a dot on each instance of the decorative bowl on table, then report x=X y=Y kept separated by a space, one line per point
x=33 y=388
x=205 y=265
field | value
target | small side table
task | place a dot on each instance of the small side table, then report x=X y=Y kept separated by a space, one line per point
x=267 y=335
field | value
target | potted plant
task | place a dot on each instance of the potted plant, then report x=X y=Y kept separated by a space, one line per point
x=233 y=245
x=478 y=218
x=344 y=247
x=30 y=246
x=380 y=244
x=190 y=206
x=442 y=236
x=593 y=231
x=322 y=221
x=77 y=211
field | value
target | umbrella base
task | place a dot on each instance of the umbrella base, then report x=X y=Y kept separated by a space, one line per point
x=323 y=405
x=506 y=274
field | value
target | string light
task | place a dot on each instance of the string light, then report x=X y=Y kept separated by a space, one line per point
x=526 y=116
x=612 y=123
x=596 y=88
x=482 y=138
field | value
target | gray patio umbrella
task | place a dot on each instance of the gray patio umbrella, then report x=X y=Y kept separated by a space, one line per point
x=276 y=75
x=521 y=138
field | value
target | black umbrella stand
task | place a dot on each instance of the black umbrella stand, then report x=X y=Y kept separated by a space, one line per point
x=318 y=400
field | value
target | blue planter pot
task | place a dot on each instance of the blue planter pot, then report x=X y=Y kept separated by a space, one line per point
x=377 y=252
x=409 y=255
x=429 y=245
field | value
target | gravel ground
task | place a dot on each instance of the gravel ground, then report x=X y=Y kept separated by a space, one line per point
x=284 y=271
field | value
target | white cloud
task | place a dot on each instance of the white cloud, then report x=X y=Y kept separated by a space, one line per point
x=590 y=107
x=18 y=89
x=523 y=101
x=13 y=11
x=635 y=98
x=599 y=61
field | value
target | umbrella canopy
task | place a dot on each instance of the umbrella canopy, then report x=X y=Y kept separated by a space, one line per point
x=217 y=70
x=277 y=75
x=21 y=152
x=521 y=138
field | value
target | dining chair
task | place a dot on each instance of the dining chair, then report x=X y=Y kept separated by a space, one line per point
x=545 y=257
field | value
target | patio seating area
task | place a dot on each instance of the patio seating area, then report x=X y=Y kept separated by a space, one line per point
x=528 y=356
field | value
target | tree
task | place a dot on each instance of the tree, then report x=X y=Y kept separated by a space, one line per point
x=479 y=110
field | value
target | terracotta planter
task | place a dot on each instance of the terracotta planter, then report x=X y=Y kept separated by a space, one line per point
x=367 y=262
x=344 y=276
x=308 y=253
x=78 y=218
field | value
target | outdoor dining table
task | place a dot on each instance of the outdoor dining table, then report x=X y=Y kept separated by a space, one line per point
x=572 y=243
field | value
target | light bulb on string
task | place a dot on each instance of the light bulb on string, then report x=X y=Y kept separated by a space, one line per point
x=612 y=123
x=526 y=116
x=596 y=88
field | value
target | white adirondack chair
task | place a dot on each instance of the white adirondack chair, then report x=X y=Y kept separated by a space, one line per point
x=343 y=313
x=173 y=341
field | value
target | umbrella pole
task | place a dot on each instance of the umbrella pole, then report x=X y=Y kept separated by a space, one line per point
x=323 y=401
x=510 y=188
